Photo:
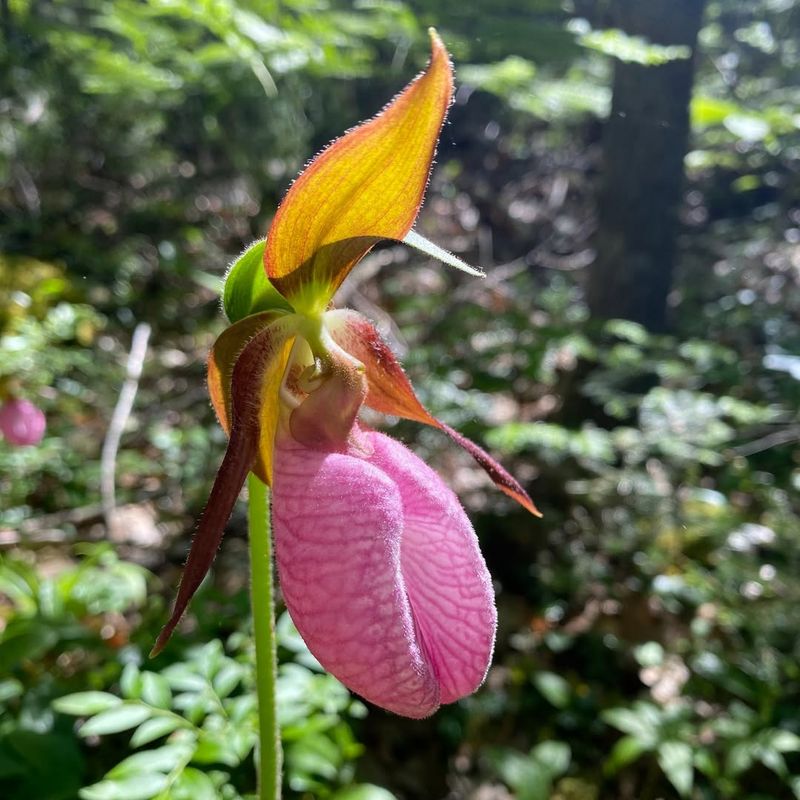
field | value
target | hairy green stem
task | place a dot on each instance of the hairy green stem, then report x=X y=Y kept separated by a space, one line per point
x=269 y=756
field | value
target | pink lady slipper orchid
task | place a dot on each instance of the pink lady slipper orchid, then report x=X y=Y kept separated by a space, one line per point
x=21 y=422
x=378 y=564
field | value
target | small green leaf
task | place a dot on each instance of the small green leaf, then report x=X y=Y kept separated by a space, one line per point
x=631 y=49
x=160 y=759
x=10 y=689
x=155 y=728
x=208 y=281
x=707 y=111
x=192 y=784
x=182 y=679
x=625 y=751
x=316 y=755
x=705 y=762
x=553 y=687
x=522 y=774
x=677 y=763
x=746 y=183
x=217 y=749
x=120 y=718
x=773 y=760
x=227 y=679
x=784 y=741
x=632 y=332
x=83 y=704
x=554 y=757
x=130 y=683
x=142 y=787
x=155 y=690
x=747 y=126
x=642 y=722
x=503 y=78
x=247 y=288
x=740 y=758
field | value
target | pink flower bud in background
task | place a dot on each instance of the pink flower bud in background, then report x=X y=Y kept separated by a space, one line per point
x=21 y=422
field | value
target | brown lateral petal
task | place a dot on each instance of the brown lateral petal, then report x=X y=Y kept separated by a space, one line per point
x=222 y=359
x=253 y=381
x=390 y=392
x=366 y=186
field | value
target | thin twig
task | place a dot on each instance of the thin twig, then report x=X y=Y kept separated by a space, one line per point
x=50 y=528
x=775 y=439
x=108 y=458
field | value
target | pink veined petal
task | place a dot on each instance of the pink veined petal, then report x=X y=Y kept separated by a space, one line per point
x=381 y=572
x=449 y=586
x=338 y=524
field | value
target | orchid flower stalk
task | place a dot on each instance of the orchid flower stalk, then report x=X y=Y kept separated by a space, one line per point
x=378 y=563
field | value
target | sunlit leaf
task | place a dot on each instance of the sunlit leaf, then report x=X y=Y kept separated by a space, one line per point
x=85 y=703
x=155 y=690
x=631 y=49
x=140 y=787
x=159 y=759
x=192 y=784
x=748 y=127
x=554 y=688
x=677 y=763
x=624 y=752
x=155 y=728
x=119 y=718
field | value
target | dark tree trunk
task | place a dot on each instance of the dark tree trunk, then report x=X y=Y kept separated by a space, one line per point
x=644 y=144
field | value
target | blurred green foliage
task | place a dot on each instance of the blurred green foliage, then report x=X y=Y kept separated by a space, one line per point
x=649 y=625
x=193 y=719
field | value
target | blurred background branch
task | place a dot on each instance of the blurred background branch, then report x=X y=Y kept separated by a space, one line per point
x=116 y=427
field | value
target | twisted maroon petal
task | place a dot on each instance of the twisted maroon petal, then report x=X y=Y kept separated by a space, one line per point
x=253 y=378
x=391 y=392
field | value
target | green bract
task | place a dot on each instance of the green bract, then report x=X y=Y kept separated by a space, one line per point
x=247 y=290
